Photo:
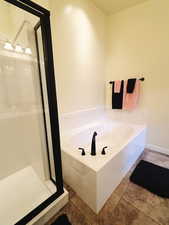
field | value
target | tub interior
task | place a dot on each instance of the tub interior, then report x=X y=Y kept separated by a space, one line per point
x=110 y=133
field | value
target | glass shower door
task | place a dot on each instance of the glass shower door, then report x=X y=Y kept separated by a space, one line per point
x=26 y=148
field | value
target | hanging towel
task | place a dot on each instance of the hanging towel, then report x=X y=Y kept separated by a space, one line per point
x=117 y=86
x=131 y=85
x=117 y=98
x=130 y=101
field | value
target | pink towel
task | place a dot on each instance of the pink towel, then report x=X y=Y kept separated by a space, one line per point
x=117 y=86
x=130 y=101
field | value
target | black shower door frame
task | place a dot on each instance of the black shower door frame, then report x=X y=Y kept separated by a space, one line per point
x=44 y=16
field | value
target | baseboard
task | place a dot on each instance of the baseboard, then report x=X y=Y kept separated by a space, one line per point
x=157 y=148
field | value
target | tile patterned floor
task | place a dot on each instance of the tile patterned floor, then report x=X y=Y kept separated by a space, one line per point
x=128 y=205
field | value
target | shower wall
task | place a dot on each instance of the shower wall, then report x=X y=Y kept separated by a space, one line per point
x=20 y=114
x=21 y=117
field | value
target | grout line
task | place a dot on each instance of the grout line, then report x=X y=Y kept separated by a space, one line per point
x=82 y=210
x=122 y=195
x=143 y=212
x=78 y=209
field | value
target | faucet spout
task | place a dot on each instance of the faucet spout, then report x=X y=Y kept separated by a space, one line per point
x=93 y=146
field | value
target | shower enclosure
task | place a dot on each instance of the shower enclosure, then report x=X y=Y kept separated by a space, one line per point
x=30 y=159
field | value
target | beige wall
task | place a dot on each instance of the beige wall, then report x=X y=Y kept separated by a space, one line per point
x=6 y=27
x=43 y=3
x=78 y=29
x=139 y=45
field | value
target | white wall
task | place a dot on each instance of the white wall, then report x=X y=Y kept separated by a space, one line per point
x=139 y=45
x=78 y=29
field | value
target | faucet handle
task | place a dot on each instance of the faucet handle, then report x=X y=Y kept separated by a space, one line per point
x=103 y=150
x=83 y=151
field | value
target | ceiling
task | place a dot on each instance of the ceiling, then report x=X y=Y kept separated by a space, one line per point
x=112 y=6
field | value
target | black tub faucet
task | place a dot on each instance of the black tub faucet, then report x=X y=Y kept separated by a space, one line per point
x=93 y=146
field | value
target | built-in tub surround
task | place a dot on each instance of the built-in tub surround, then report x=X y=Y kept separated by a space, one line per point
x=94 y=178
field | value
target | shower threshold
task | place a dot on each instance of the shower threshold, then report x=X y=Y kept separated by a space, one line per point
x=21 y=192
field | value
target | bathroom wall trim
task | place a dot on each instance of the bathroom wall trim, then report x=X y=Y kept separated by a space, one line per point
x=78 y=112
x=157 y=148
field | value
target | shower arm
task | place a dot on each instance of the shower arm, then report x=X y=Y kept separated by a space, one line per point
x=19 y=31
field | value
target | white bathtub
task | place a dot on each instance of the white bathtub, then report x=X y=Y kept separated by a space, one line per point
x=94 y=178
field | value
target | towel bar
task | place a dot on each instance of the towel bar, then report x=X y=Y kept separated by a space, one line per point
x=142 y=79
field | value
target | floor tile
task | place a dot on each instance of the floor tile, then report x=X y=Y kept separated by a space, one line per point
x=88 y=213
x=126 y=214
x=62 y=211
x=105 y=214
x=70 y=190
x=121 y=188
x=152 y=205
x=74 y=215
